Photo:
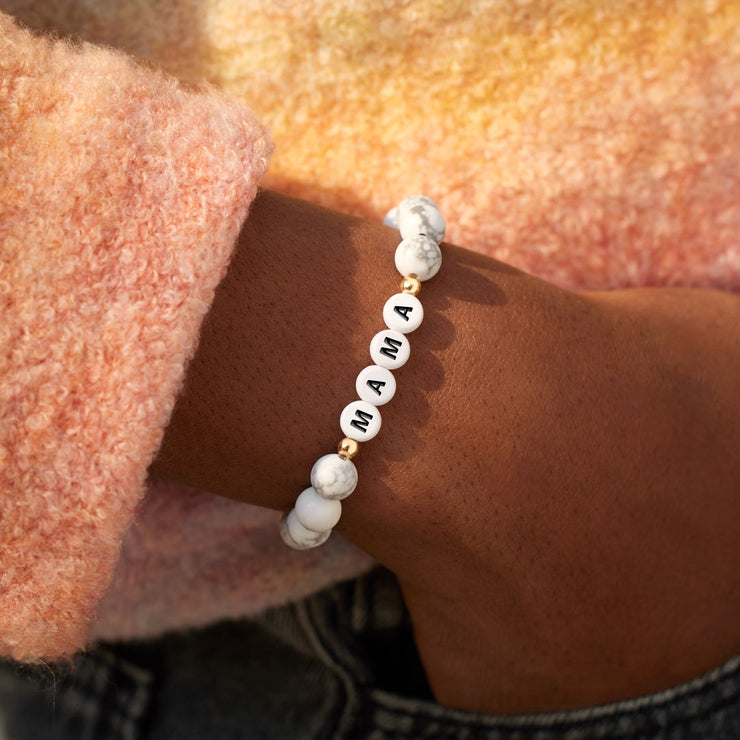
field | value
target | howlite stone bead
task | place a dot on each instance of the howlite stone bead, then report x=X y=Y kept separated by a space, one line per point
x=391 y=218
x=419 y=256
x=315 y=512
x=334 y=477
x=295 y=535
x=418 y=214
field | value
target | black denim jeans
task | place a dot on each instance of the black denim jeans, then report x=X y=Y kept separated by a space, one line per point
x=339 y=665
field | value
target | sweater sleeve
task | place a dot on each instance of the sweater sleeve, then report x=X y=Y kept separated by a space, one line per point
x=121 y=198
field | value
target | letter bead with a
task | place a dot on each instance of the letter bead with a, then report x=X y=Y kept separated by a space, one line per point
x=376 y=385
x=403 y=312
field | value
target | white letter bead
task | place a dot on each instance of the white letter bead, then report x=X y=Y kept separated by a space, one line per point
x=376 y=385
x=315 y=512
x=418 y=256
x=334 y=476
x=403 y=312
x=295 y=535
x=360 y=421
x=390 y=349
x=420 y=215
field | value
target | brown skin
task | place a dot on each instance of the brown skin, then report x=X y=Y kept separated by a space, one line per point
x=556 y=484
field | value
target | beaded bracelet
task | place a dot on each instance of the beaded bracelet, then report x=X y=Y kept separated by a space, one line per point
x=334 y=476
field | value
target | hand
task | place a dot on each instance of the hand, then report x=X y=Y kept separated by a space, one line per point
x=566 y=524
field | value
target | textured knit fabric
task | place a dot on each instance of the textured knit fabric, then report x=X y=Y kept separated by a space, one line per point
x=595 y=145
x=121 y=197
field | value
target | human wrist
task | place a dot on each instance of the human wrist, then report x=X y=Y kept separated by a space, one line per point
x=288 y=329
x=287 y=332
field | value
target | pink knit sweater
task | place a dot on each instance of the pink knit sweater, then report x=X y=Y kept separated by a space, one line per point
x=121 y=197
x=594 y=147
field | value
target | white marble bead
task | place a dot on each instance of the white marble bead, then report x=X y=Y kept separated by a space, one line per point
x=403 y=312
x=295 y=535
x=391 y=218
x=376 y=385
x=360 y=421
x=390 y=349
x=334 y=476
x=419 y=256
x=315 y=512
x=418 y=214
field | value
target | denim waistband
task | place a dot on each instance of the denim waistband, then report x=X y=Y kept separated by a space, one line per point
x=361 y=625
x=340 y=665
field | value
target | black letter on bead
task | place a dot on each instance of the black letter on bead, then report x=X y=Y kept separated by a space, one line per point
x=403 y=311
x=391 y=350
x=376 y=385
x=362 y=422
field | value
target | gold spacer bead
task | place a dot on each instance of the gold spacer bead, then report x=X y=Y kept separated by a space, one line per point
x=348 y=448
x=411 y=284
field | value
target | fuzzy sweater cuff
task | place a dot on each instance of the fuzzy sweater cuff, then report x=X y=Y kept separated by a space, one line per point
x=121 y=197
